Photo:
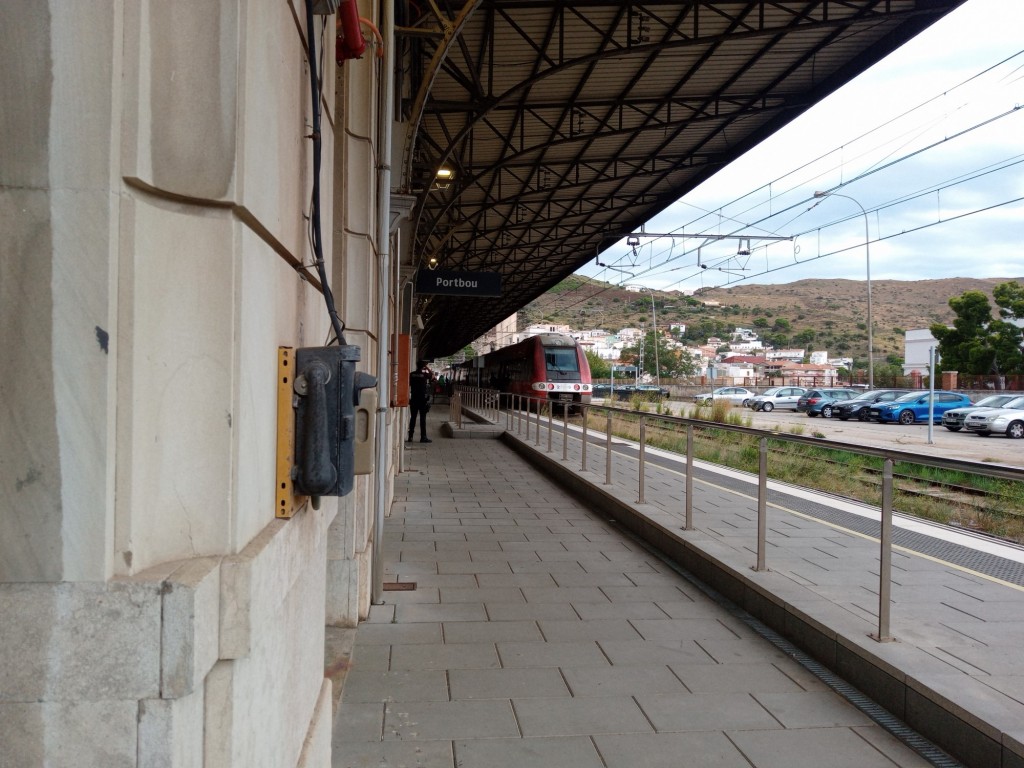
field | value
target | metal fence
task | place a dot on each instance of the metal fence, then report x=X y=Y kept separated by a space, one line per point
x=535 y=418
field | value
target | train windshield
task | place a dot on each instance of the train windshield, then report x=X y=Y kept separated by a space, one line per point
x=561 y=363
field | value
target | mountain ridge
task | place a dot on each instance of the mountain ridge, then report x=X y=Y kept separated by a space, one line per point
x=815 y=313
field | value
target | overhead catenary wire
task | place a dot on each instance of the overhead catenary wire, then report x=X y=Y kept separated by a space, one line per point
x=800 y=206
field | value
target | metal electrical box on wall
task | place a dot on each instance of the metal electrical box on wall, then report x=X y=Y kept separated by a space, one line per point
x=401 y=386
x=333 y=407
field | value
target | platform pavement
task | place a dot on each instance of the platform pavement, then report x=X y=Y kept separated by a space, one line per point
x=539 y=633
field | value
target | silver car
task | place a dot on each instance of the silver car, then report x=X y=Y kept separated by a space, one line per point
x=733 y=395
x=777 y=397
x=954 y=420
x=998 y=421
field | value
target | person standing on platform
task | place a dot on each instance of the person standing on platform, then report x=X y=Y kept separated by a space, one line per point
x=421 y=383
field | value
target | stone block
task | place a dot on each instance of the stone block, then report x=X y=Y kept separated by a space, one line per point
x=191 y=621
x=316 y=751
x=171 y=732
x=68 y=734
x=79 y=642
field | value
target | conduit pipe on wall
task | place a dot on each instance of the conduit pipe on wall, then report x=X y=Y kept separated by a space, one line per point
x=385 y=115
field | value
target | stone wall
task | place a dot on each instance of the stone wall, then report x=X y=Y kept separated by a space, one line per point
x=155 y=176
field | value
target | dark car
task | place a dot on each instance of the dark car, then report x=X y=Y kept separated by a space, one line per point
x=645 y=391
x=914 y=406
x=819 y=402
x=857 y=408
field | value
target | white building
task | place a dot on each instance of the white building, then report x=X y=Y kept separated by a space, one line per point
x=916 y=346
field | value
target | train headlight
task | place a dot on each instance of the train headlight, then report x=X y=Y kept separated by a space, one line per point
x=577 y=387
x=551 y=386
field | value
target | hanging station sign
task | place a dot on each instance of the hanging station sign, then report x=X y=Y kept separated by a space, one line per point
x=439 y=281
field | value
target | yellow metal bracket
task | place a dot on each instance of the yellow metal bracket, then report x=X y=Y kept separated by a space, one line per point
x=288 y=502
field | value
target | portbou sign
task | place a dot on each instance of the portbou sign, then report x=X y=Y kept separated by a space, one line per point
x=458 y=283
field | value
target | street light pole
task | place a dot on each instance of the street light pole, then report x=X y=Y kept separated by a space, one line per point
x=654 y=319
x=867 y=259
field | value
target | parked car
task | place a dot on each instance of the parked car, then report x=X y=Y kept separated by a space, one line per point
x=776 y=397
x=818 y=402
x=735 y=395
x=857 y=408
x=647 y=391
x=913 y=406
x=998 y=421
x=954 y=420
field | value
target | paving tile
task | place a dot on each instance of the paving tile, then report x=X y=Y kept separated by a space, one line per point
x=580 y=716
x=653 y=593
x=752 y=649
x=672 y=631
x=473 y=567
x=707 y=749
x=370 y=656
x=621 y=680
x=541 y=579
x=449 y=720
x=589 y=629
x=581 y=579
x=491 y=631
x=638 y=610
x=430 y=612
x=446 y=656
x=482 y=595
x=364 y=685
x=358 y=721
x=531 y=611
x=892 y=747
x=564 y=595
x=391 y=634
x=563 y=752
x=506 y=683
x=735 y=678
x=551 y=654
x=393 y=754
x=646 y=652
x=705 y=712
x=809 y=748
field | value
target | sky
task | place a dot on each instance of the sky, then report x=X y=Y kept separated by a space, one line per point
x=922 y=141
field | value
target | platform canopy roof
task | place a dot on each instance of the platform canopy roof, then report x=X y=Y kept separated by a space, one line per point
x=561 y=127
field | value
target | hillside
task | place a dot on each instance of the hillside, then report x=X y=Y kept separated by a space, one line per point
x=815 y=314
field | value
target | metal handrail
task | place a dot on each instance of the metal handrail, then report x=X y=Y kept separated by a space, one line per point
x=889 y=456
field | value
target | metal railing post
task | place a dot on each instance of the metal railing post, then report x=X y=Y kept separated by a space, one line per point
x=551 y=423
x=643 y=445
x=565 y=431
x=536 y=435
x=885 y=557
x=762 y=502
x=689 y=477
x=583 y=448
x=608 y=451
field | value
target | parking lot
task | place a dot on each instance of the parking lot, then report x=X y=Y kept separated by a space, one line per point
x=914 y=438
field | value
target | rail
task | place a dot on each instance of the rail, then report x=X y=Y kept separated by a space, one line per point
x=525 y=415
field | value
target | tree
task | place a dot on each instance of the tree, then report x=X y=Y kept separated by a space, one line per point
x=979 y=344
x=599 y=367
x=667 y=361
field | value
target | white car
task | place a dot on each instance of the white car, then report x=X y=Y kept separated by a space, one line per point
x=998 y=421
x=734 y=395
x=777 y=397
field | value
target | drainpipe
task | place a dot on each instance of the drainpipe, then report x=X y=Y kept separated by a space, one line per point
x=385 y=115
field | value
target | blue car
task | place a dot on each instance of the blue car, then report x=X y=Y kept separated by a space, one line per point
x=913 y=406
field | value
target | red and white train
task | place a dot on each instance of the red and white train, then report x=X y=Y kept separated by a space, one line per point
x=549 y=365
